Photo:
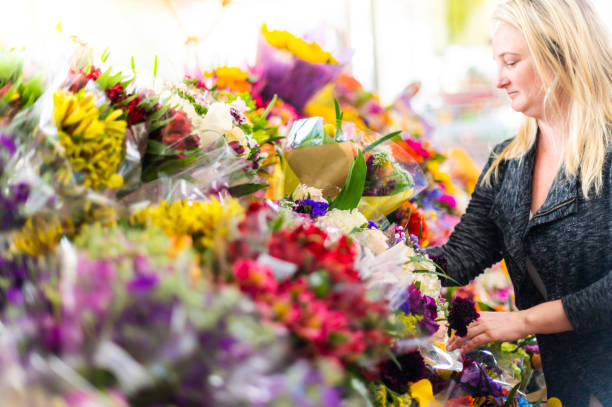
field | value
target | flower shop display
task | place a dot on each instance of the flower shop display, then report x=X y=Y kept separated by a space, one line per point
x=157 y=251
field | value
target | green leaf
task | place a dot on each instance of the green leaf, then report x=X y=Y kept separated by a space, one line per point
x=437 y=273
x=158 y=113
x=133 y=64
x=382 y=140
x=510 y=397
x=245 y=189
x=127 y=100
x=362 y=390
x=174 y=166
x=105 y=54
x=157 y=148
x=443 y=273
x=160 y=123
x=485 y=306
x=351 y=192
x=155 y=67
x=393 y=358
x=339 y=116
x=270 y=106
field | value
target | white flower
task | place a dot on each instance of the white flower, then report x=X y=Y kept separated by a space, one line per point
x=239 y=105
x=393 y=271
x=303 y=191
x=373 y=239
x=218 y=118
x=236 y=134
x=345 y=221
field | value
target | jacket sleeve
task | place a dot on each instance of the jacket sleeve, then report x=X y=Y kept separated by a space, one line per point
x=590 y=309
x=476 y=242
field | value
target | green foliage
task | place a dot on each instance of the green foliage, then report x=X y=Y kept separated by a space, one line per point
x=351 y=192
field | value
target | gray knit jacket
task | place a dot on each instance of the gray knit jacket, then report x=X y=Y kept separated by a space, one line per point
x=569 y=241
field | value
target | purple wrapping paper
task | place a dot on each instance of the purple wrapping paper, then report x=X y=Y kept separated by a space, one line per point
x=293 y=79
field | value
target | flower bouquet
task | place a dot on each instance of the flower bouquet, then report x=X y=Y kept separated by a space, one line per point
x=292 y=68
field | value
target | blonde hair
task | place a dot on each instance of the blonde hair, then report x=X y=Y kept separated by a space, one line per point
x=572 y=55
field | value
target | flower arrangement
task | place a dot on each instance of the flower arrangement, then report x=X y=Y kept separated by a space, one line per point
x=92 y=140
x=292 y=68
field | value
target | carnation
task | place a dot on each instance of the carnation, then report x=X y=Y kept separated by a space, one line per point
x=462 y=313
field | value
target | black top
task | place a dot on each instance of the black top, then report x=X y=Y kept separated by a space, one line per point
x=569 y=241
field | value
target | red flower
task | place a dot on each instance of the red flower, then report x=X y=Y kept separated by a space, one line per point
x=254 y=279
x=116 y=94
x=177 y=133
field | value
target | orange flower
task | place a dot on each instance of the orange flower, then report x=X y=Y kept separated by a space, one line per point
x=232 y=78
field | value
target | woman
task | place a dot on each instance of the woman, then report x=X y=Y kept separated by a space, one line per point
x=544 y=200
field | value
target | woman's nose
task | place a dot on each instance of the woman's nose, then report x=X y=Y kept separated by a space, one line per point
x=502 y=81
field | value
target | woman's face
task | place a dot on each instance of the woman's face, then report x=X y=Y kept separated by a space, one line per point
x=517 y=74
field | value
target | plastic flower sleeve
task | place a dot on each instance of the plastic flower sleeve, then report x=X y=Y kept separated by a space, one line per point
x=316 y=158
x=134 y=146
x=392 y=178
x=213 y=171
x=293 y=79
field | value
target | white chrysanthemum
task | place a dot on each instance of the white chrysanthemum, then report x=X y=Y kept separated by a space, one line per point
x=303 y=191
x=393 y=270
x=345 y=221
x=373 y=239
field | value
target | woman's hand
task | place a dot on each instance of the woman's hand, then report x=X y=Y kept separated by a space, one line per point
x=491 y=327
x=546 y=318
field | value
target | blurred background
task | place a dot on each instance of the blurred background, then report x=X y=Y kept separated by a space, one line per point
x=441 y=44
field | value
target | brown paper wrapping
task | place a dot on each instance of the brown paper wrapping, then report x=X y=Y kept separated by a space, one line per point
x=325 y=167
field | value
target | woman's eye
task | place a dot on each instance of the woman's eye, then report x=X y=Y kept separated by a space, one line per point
x=510 y=63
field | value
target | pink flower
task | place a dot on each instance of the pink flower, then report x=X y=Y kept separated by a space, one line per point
x=254 y=279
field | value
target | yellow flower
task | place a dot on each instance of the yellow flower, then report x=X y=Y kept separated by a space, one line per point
x=422 y=391
x=307 y=51
x=94 y=146
x=206 y=222
x=554 y=402
x=39 y=235
x=409 y=323
x=441 y=176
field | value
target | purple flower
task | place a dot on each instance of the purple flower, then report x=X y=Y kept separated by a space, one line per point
x=417 y=304
x=9 y=206
x=293 y=79
x=462 y=313
x=312 y=208
x=93 y=289
x=16 y=272
x=237 y=116
x=145 y=278
x=532 y=348
x=440 y=260
x=237 y=147
x=142 y=283
x=476 y=381
x=8 y=144
x=399 y=234
x=411 y=369
x=372 y=225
